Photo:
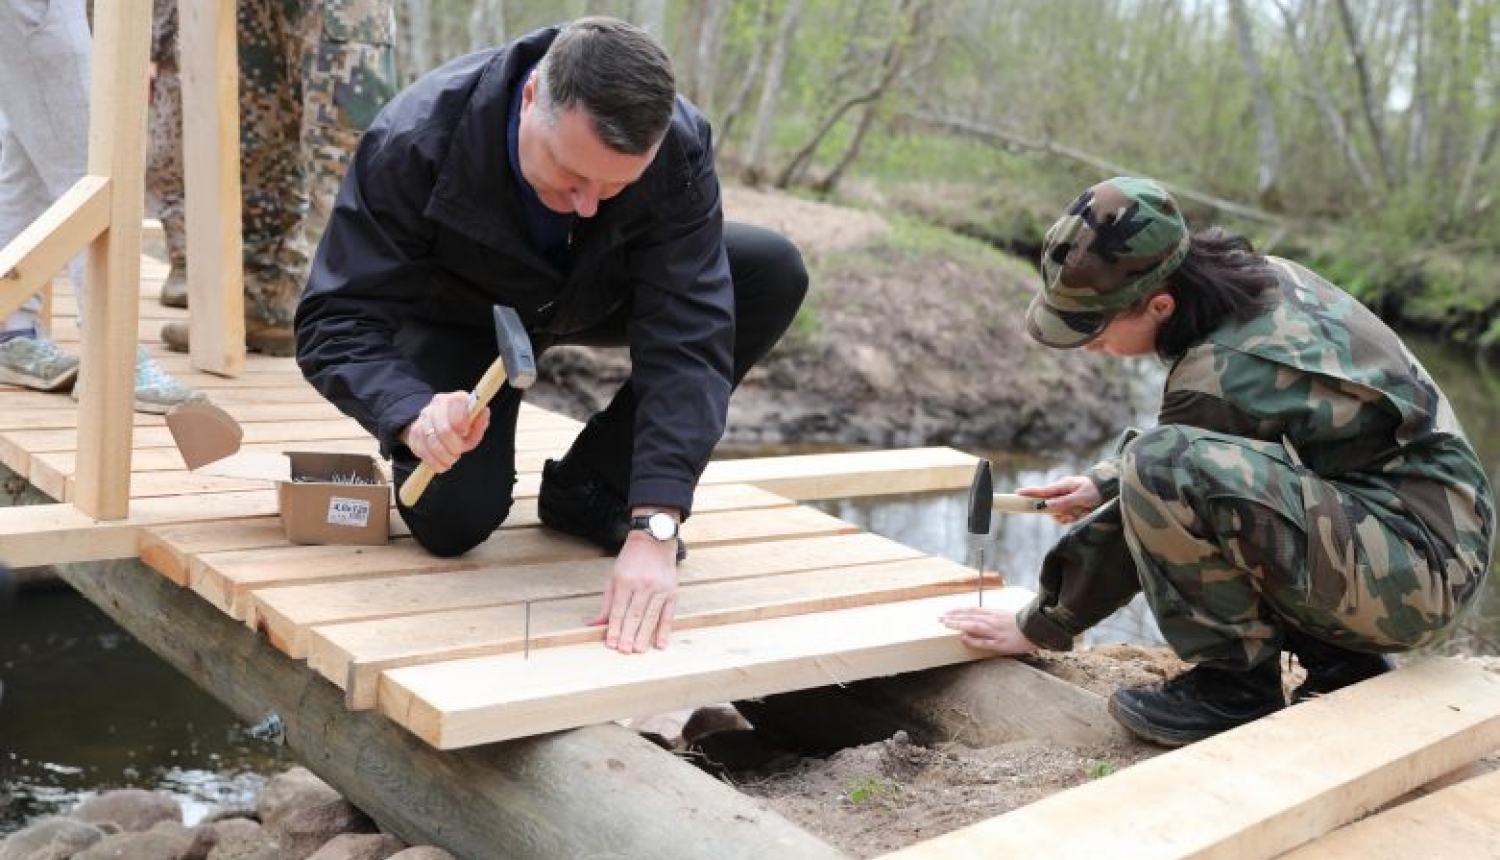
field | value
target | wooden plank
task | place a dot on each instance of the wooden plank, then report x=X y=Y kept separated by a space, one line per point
x=353 y=655
x=848 y=475
x=533 y=799
x=211 y=179
x=287 y=609
x=1460 y=821
x=1264 y=788
x=302 y=433
x=61 y=534
x=44 y=248
x=117 y=149
x=286 y=590
x=169 y=548
x=479 y=700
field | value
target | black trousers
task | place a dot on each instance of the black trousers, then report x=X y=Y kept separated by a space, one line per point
x=464 y=505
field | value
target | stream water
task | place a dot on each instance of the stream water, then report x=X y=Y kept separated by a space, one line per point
x=85 y=707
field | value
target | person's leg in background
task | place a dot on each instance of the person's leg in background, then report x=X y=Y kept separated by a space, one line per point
x=164 y=170
x=349 y=73
x=584 y=493
x=273 y=185
x=45 y=52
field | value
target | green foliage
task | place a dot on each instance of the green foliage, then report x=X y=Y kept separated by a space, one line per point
x=871 y=788
x=1101 y=769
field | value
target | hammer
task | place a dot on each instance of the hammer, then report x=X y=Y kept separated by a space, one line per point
x=515 y=363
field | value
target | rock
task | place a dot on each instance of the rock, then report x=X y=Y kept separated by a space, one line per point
x=55 y=838
x=714 y=718
x=133 y=810
x=158 y=843
x=359 y=846
x=300 y=831
x=257 y=847
x=210 y=834
x=423 y=852
x=295 y=788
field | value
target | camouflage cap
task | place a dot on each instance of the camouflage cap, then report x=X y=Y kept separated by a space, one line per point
x=1118 y=242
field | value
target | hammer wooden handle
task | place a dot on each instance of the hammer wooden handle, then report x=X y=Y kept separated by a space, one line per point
x=480 y=397
x=1010 y=503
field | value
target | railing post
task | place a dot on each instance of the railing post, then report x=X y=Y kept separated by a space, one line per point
x=117 y=150
x=211 y=155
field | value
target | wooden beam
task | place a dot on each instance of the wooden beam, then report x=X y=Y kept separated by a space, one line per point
x=354 y=655
x=117 y=149
x=1264 y=788
x=1462 y=820
x=209 y=72
x=44 y=248
x=847 y=475
x=483 y=699
x=595 y=792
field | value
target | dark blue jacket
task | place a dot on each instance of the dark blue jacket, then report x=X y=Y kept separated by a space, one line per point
x=428 y=226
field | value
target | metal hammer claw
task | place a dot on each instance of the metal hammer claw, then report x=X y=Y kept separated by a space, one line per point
x=515 y=364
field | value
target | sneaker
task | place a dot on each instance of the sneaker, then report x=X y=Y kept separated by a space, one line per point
x=155 y=390
x=264 y=338
x=1331 y=667
x=174 y=290
x=585 y=506
x=35 y=362
x=1199 y=703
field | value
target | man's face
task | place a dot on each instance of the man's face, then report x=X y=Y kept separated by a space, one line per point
x=570 y=169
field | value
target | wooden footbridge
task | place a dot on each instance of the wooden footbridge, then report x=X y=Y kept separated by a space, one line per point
x=464 y=702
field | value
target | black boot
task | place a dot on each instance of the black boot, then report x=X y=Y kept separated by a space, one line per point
x=576 y=503
x=1330 y=667
x=1199 y=703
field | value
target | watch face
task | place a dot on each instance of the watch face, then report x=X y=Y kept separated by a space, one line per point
x=661 y=526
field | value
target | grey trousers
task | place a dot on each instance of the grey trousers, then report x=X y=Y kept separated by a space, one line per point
x=45 y=68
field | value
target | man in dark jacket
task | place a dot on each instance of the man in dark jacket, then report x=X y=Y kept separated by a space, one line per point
x=559 y=175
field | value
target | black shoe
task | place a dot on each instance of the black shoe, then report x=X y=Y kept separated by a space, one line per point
x=1331 y=667
x=586 y=507
x=1199 y=703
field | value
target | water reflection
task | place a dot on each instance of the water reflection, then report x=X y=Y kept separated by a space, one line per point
x=87 y=708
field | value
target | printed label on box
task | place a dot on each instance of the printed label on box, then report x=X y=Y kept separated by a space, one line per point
x=348 y=512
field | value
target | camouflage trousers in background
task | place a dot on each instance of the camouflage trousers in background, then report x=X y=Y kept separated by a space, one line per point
x=1233 y=537
x=164 y=163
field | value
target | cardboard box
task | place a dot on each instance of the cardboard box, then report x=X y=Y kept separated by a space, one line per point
x=323 y=497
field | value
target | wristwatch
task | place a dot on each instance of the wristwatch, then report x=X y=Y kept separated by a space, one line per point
x=660 y=525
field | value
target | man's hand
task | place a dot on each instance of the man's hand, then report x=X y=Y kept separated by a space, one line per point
x=1067 y=498
x=989 y=630
x=641 y=596
x=443 y=432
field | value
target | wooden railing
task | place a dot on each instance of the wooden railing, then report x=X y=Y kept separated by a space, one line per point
x=102 y=214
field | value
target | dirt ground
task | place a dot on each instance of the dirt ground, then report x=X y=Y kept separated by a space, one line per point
x=874 y=798
x=901 y=342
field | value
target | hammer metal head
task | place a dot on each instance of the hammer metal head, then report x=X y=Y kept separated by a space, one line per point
x=981 y=493
x=515 y=348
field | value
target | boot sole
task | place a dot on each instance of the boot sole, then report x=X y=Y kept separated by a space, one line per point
x=1148 y=732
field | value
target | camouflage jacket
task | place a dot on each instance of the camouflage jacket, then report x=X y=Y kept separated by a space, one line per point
x=1322 y=375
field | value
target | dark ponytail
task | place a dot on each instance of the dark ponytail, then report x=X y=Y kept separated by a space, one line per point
x=1222 y=278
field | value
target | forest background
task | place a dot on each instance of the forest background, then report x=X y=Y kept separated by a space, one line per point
x=1359 y=136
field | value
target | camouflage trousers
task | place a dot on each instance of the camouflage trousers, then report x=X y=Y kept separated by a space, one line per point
x=1233 y=538
x=164 y=163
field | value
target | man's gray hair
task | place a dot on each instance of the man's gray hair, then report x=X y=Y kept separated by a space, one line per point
x=618 y=73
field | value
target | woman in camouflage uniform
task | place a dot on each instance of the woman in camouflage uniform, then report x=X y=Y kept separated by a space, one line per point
x=1308 y=487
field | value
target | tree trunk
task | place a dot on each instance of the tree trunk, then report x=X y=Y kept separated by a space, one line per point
x=486 y=24
x=748 y=79
x=418 y=38
x=770 y=91
x=1421 y=96
x=710 y=41
x=600 y=791
x=1368 y=100
x=1268 y=142
x=1330 y=113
